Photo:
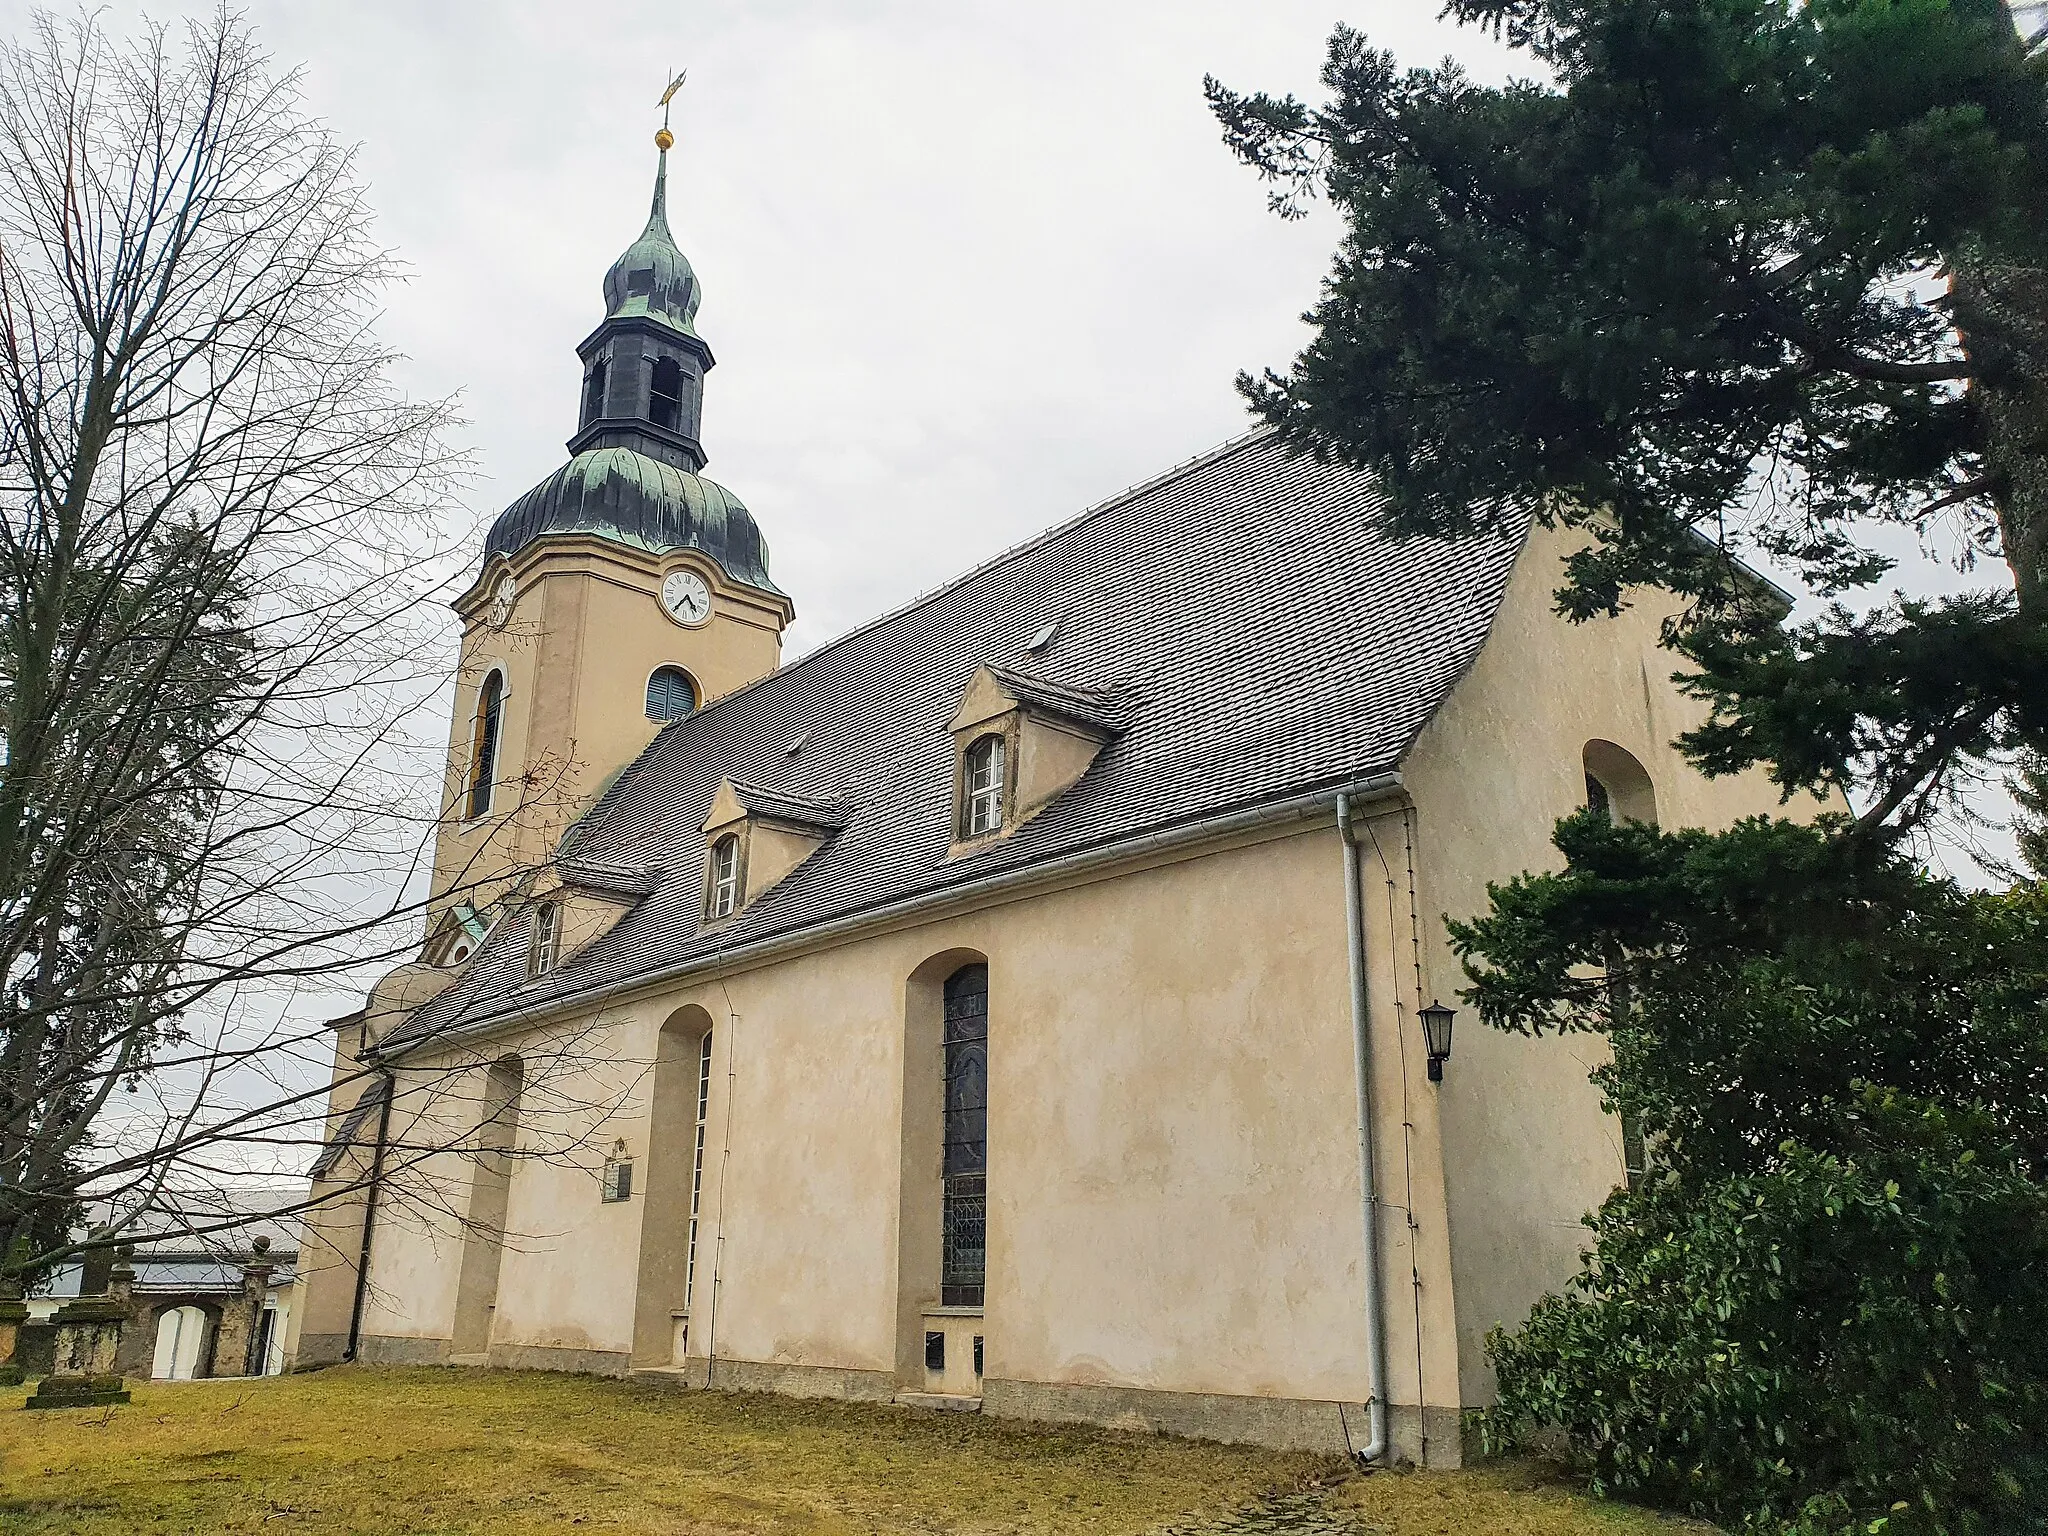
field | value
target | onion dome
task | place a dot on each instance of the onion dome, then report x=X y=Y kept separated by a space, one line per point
x=654 y=278
x=615 y=493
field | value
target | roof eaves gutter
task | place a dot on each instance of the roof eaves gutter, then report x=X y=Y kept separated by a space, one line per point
x=1377 y=786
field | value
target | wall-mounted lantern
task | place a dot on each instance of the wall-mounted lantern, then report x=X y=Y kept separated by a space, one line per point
x=1436 y=1034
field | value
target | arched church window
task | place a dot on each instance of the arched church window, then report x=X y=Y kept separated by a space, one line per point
x=593 y=392
x=483 y=752
x=670 y=694
x=665 y=400
x=963 y=1260
x=725 y=877
x=697 y=1167
x=1597 y=799
x=982 y=787
x=1617 y=784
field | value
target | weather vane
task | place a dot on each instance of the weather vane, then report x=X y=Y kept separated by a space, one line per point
x=663 y=139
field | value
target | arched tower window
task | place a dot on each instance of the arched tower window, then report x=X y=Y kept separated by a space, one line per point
x=670 y=694
x=963 y=1263
x=593 y=392
x=483 y=749
x=665 y=398
x=982 y=788
x=1597 y=799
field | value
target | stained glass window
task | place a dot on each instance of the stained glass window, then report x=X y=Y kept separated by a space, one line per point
x=964 y=1263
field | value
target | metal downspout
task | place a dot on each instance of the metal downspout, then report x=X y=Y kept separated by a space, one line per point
x=1368 y=1185
x=355 y=1315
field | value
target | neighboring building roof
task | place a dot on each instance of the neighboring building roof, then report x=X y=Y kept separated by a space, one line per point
x=632 y=499
x=198 y=1240
x=1241 y=619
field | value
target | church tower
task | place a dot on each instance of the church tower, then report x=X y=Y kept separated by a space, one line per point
x=623 y=591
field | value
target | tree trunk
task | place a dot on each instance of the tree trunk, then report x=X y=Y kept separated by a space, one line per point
x=2002 y=311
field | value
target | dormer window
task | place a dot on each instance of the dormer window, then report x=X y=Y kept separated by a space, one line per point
x=1020 y=742
x=665 y=398
x=547 y=939
x=725 y=877
x=982 y=788
x=758 y=837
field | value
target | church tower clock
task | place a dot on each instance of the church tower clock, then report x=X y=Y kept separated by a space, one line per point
x=624 y=591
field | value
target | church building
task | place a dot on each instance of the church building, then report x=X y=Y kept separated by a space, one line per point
x=1036 y=1002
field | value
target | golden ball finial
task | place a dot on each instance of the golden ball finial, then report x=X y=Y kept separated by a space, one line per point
x=664 y=140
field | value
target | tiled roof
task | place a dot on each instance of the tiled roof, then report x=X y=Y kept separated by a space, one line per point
x=1240 y=619
x=631 y=881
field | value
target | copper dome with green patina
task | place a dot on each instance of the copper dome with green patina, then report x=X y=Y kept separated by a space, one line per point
x=631 y=499
x=634 y=476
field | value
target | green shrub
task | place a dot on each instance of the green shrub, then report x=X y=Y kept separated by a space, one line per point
x=1826 y=1309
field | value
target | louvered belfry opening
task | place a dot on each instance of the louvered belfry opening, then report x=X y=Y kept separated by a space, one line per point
x=665 y=394
x=963 y=1266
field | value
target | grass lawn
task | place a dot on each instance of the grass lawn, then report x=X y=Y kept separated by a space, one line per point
x=373 y=1451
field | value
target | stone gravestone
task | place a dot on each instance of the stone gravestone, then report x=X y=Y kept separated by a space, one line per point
x=13 y=1318
x=88 y=1338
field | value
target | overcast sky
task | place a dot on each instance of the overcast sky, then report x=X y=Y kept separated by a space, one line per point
x=967 y=268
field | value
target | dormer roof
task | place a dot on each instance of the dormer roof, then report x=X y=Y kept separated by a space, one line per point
x=1091 y=708
x=735 y=800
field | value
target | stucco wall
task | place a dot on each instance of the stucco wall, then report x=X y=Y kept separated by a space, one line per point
x=1173 y=1180
x=1526 y=1151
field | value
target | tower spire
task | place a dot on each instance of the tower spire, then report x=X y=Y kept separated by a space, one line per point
x=664 y=141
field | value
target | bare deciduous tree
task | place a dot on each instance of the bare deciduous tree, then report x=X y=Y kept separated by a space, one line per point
x=223 y=562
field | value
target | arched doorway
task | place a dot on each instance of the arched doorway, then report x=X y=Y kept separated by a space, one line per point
x=180 y=1344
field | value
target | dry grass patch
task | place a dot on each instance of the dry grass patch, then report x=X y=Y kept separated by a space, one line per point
x=1512 y=1499
x=433 y=1451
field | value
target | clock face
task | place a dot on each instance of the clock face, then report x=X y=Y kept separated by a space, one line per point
x=502 y=597
x=685 y=598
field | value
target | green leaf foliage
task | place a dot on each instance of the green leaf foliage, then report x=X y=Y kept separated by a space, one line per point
x=1826 y=1309
x=1762 y=269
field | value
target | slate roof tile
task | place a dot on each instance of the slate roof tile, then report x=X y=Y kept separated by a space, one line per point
x=1259 y=636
